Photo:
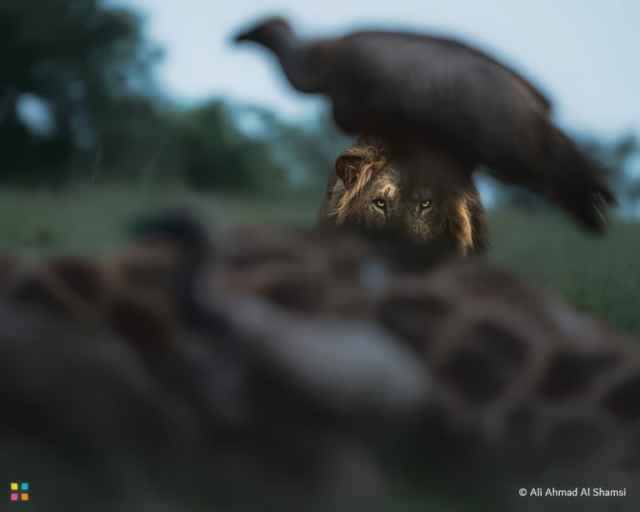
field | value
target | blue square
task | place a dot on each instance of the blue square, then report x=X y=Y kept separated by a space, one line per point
x=24 y=486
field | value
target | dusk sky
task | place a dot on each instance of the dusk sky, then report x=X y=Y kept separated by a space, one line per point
x=583 y=54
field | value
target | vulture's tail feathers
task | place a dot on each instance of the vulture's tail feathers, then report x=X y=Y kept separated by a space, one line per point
x=577 y=184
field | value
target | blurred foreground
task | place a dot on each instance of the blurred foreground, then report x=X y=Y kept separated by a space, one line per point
x=265 y=367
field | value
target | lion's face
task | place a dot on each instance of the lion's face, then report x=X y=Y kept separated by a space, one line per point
x=391 y=200
x=435 y=202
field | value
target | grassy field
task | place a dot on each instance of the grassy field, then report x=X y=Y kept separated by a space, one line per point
x=597 y=274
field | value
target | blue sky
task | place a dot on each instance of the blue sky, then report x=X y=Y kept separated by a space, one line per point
x=582 y=53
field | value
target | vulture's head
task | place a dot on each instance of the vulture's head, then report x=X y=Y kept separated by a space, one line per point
x=265 y=32
x=435 y=202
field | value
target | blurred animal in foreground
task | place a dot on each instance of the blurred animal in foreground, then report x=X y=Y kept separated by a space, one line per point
x=277 y=365
x=438 y=202
x=411 y=89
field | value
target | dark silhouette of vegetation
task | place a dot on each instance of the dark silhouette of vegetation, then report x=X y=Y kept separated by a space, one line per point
x=86 y=63
x=618 y=156
x=215 y=152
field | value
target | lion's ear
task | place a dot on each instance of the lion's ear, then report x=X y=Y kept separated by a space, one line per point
x=348 y=168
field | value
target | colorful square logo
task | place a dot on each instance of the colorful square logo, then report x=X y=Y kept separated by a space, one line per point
x=19 y=491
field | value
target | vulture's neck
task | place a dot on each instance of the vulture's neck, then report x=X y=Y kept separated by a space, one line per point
x=293 y=56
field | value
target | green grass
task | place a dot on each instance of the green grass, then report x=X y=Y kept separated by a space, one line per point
x=89 y=219
x=600 y=275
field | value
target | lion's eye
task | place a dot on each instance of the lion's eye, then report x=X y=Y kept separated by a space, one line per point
x=425 y=205
x=380 y=203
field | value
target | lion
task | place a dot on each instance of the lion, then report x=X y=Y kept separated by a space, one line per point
x=370 y=191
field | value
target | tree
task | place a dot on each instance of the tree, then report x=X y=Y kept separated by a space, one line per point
x=84 y=60
x=617 y=156
x=306 y=150
x=217 y=154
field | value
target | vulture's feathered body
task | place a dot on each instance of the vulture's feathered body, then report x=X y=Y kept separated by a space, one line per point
x=409 y=88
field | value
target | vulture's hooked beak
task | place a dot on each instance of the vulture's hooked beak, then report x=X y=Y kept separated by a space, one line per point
x=245 y=35
x=263 y=31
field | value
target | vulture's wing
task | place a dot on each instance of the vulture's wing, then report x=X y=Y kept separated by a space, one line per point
x=389 y=81
x=455 y=49
x=543 y=102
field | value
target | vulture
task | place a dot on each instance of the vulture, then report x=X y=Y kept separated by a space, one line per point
x=409 y=88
